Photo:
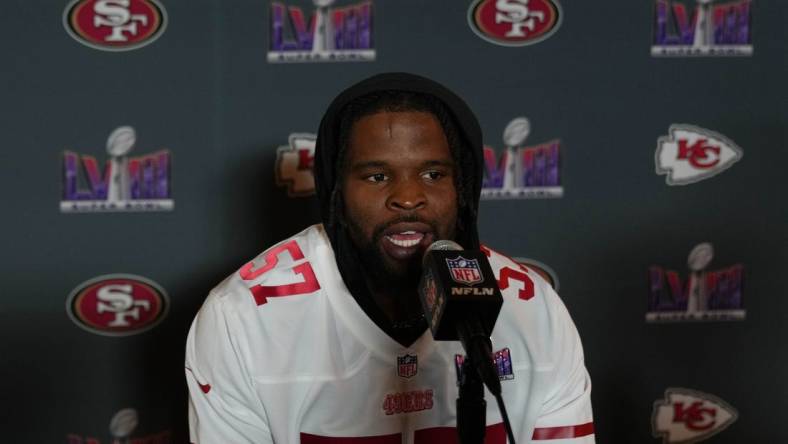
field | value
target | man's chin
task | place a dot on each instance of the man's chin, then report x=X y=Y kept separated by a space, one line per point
x=396 y=273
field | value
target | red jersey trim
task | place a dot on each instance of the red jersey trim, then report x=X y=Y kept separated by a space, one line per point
x=565 y=432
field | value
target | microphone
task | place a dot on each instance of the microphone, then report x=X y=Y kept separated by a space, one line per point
x=461 y=301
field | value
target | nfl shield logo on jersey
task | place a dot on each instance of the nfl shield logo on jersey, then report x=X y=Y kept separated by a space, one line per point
x=407 y=366
x=465 y=271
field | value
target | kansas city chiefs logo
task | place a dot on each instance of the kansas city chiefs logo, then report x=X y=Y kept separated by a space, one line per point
x=687 y=416
x=115 y=25
x=514 y=22
x=689 y=154
x=294 y=163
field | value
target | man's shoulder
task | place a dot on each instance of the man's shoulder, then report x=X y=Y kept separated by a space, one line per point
x=532 y=313
x=509 y=270
x=285 y=269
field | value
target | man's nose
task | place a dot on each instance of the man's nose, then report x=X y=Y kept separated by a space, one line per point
x=407 y=195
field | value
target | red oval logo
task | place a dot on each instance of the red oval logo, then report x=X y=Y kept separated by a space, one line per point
x=117 y=305
x=115 y=25
x=514 y=22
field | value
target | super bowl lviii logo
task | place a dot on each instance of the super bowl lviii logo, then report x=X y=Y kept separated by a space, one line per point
x=522 y=172
x=115 y=25
x=294 y=165
x=702 y=28
x=126 y=184
x=687 y=416
x=122 y=427
x=704 y=296
x=339 y=34
x=689 y=154
x=117 y=305
x=514 y=22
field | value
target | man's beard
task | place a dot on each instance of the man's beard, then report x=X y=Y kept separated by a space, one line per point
x=387 y=277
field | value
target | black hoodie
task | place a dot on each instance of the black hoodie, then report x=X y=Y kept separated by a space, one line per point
x=326 y=172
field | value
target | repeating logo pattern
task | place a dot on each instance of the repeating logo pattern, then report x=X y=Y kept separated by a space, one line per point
x=522 y=172
x=342 y=34
x=115 y=25
x=127 y=183
x=689 y=154
x=121 y=427
x=687 y=416
x=713 y=28
x=704 y=296
x=514 y=22
x=295 y=163
x=117 y=305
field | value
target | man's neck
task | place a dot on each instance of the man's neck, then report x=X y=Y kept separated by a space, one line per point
x=400 y=306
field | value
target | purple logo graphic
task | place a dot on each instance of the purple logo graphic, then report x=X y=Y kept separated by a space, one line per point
x=342 y=34
x=407 y=366
x=502 y=360
x=126 y=183
x=465 y=271
x=522 y=172
x=706 y=28
x=703 y=296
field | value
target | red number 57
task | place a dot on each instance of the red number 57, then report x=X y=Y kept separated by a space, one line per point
x=261 y=293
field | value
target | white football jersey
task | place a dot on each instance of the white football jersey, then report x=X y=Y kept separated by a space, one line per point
x=280 y=352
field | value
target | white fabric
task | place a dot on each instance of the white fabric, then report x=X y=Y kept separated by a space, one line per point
x=315 y=364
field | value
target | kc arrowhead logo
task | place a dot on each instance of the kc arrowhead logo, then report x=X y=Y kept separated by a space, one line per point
x=687 y=416
x=689 y=154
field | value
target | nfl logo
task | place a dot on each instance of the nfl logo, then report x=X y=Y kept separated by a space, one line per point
x=407 y=366
x=465 y=271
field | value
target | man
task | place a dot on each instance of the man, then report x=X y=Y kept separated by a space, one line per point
x=321 y=339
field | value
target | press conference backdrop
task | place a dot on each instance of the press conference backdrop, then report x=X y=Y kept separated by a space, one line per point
x=636 y=150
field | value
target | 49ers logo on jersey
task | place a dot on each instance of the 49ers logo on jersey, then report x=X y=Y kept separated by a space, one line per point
x=687 y=416
x=115 y=25
x=689 y=154
x=117 y=305
x=514 y=22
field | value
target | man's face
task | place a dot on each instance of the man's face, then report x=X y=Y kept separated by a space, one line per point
x=399 y=193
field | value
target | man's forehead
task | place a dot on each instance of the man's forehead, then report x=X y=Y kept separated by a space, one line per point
x=399 y=136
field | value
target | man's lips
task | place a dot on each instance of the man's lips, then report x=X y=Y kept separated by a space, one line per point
x=405 y=239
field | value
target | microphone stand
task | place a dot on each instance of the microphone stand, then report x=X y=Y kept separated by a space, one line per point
x=471 y=406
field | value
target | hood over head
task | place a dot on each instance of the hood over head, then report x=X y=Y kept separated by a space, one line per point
x=328 y=157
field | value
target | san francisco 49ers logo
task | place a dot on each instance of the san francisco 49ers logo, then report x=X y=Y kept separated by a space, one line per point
x=115 y=25
x=514 y=22
x=117 y=305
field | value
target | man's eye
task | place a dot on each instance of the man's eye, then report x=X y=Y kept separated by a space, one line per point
x=432 y=175
x=379 y=177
